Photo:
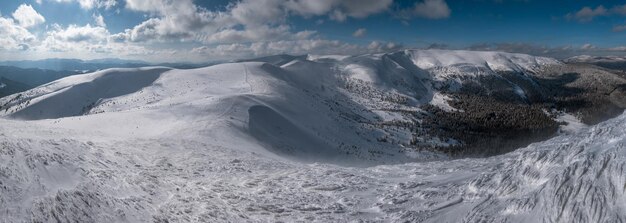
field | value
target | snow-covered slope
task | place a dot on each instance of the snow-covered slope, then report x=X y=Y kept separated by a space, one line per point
x=354 y=107
x=284 y=111
x=595 y=59
x=500 y=61
x=322 y=138
x=58 y=174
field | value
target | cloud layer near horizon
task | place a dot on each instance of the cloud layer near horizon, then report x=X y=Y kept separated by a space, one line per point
x=243 y=28
x=182 y=30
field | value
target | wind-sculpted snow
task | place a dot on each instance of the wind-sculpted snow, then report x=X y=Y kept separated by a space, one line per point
x=48 y=176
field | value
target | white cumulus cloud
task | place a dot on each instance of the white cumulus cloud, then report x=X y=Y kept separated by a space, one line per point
x=243 y=21
x=90 y=4
x=587 y=14
x=431 y=9
x=242 y=29
x=359 y=32
x=27 y=17
x=14 y=36
x=99 y=20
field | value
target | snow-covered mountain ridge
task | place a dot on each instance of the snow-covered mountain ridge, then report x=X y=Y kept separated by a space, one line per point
x=173 y=150
x=499 y=61
x=381 y=107
x=594 y=59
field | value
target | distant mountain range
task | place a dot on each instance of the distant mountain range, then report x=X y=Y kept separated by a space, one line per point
x=16 y=79
x=74 y=64
x=595 y=59
x=610 y=62
x=8 y=87
x=58 y=64
x=21 y=75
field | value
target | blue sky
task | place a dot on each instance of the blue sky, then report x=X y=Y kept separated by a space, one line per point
x=199 y=31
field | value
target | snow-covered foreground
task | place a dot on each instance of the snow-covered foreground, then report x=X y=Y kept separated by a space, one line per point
x=48 y=174
x=259 y=142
